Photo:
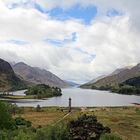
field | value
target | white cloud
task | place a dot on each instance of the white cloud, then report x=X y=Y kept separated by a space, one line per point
x=114 y=41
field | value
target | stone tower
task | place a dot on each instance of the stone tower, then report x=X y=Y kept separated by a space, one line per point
x=69 y=105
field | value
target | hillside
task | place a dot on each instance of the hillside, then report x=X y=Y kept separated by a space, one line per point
x=96 y=79
x=38 y=76
x=130 y=86
x=115 y=78
x=133 y=82
x=8 y=79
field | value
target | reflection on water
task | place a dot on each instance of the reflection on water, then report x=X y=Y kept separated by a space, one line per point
x=81 y=98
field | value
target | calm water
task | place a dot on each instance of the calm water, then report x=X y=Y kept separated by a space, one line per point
x=81 y=98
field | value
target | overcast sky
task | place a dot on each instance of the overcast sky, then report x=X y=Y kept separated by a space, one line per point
x=77 y=40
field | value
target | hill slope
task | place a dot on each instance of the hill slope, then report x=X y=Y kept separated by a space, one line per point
x=116 y=78
x=133 y=82
x=8 y=79
x=38 y=76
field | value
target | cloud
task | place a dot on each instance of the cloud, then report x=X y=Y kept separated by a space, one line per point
x=87 y=51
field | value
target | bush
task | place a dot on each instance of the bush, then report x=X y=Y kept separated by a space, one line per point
x=57 y=132
x=110 y=137
x=23 y=136
x=87 y=127
x=3 y=135
x=40 y=135
x=22 y=121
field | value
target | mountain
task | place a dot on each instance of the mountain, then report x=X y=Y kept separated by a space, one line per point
x=36 y=75
x=117 y=77
x=96 y=79
x=8 y=79
x=117 y=71
x=72 y=84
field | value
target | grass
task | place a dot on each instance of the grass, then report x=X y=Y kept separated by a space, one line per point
x=14 y=97
x=124 y=121
x=45 y=117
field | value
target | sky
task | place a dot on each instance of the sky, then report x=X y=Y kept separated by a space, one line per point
x=78 y=40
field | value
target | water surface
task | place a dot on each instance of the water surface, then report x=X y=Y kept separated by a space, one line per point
x=81 y=98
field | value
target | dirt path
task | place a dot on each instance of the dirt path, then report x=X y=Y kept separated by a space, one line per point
x=61 y=119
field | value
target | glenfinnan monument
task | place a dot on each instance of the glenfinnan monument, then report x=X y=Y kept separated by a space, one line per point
x=69 y=105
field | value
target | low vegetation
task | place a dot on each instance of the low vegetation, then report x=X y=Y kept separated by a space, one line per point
x=77 y=126
x=44 y=123
x=110 y=137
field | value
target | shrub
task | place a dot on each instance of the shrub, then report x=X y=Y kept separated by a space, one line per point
x=22 y=121
x=57 y=132
x=23 y=136
x=3 y=135
x=87 y=127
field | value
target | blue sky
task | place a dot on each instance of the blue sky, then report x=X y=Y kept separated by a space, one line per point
x=18 y=42
x=86 y=14
x=113 y=12
x=77 y=11
x=65 y=41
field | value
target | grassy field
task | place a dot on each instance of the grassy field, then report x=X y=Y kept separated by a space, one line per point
x=125 y=121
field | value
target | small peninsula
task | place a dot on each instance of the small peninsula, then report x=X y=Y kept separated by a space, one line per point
x=43 y=91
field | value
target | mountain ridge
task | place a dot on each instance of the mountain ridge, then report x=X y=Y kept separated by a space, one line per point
x=117 y=77
x=8 y=79
x=37 y=75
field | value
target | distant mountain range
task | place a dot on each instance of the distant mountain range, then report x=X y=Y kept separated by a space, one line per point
x=20 y=75
x=8 y=79
x=115 y=78
x=35 y=75
x=72 y=84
